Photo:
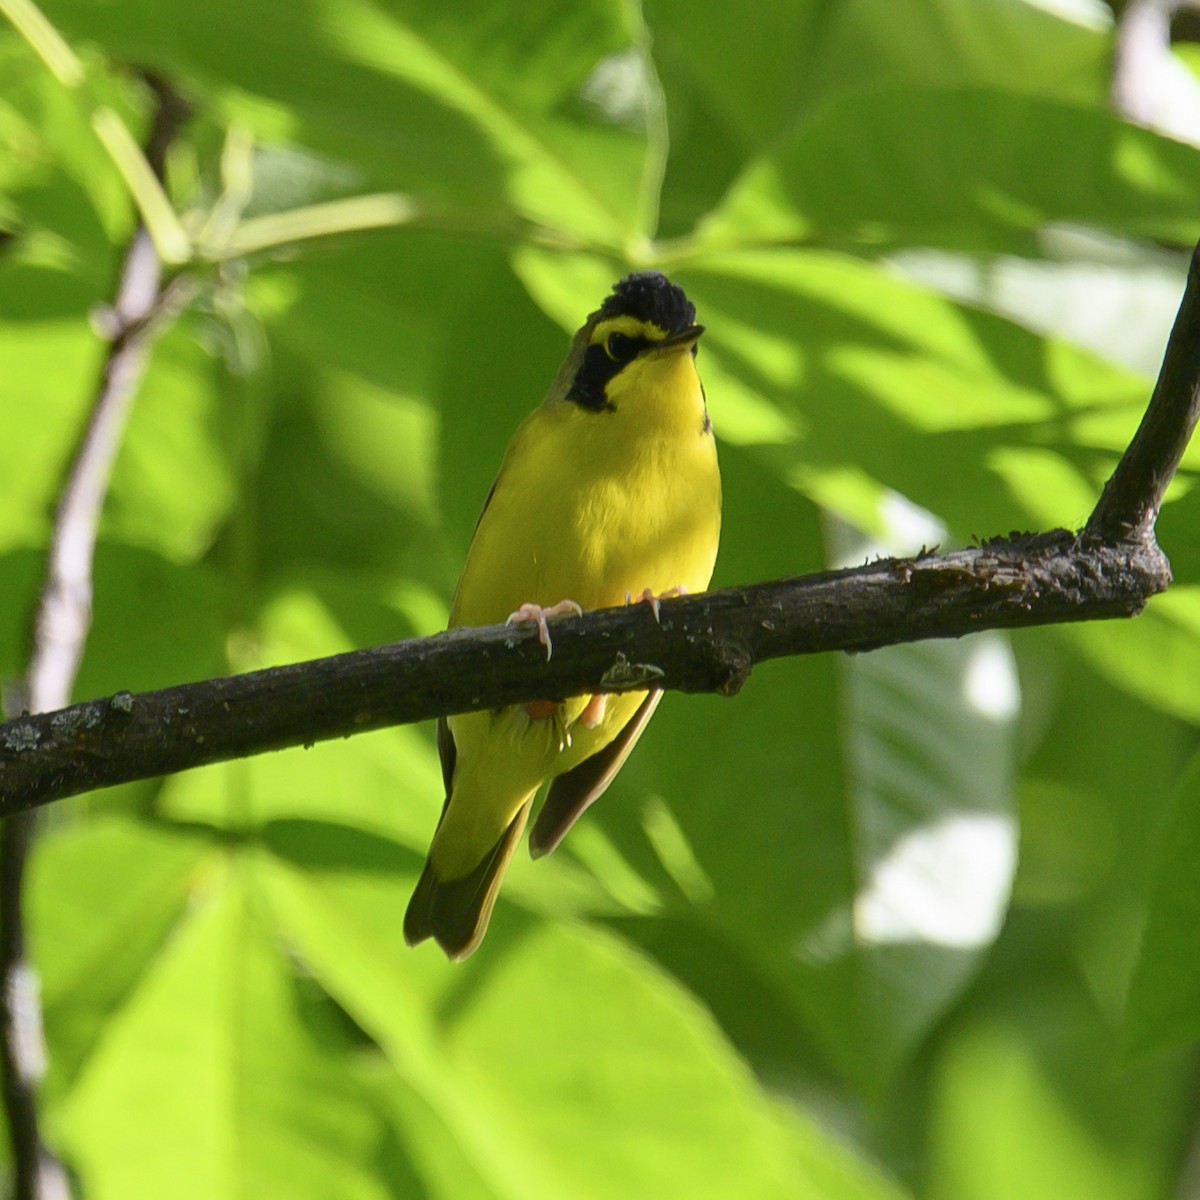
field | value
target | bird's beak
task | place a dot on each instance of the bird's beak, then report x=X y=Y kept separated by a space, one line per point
x=682 y=340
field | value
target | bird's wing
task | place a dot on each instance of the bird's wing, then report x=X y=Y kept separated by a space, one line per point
x=574 y=790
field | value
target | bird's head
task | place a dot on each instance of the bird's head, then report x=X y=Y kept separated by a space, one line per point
x=639 y=343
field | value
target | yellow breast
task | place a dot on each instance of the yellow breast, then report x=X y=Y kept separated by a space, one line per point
x=591 y=506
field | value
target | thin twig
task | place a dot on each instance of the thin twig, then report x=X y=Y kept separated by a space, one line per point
x=60 y=630
x=1128 y=507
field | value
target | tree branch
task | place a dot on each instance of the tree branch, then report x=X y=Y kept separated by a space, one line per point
x=707 y=642
x=60 y=630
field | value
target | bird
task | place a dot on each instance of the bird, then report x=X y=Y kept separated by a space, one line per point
x=609 y=491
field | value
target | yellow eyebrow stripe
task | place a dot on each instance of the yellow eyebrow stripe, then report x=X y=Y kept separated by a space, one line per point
x=630 y=326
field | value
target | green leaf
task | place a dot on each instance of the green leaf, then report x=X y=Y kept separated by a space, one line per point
x=48 y=365
x=833 y=1170
x=49 y=142
x=931 y=754
x=349 y=474
x=45 y=39
x=1058 y=51
x=846 y=375
x=93 y=941
x=481 y=107
x=1017 y=1113
x=1163 y=1011
x=1155 y=657
x=178 y=429
x=387 y=782
x=1098 y=770
x=267 y=1110
x=170 y=238
x=799 y=54
x=155 y=623
x=551 y=1082
x=958 y=166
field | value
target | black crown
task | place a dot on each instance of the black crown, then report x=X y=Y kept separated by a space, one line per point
x=650 y=296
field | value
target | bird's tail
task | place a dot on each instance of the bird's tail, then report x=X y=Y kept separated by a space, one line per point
x=455 y=912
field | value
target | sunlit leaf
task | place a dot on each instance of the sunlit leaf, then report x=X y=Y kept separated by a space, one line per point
x=1004 y=1123
x=475 y=106
x=266 y=1111
x=959 y=166
x=1156 y=656
x=93 y=941
x=537 y=1073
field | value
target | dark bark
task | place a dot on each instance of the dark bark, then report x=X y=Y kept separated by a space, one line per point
x=707 y=642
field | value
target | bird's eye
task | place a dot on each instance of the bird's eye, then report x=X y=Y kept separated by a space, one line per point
x=620 y=347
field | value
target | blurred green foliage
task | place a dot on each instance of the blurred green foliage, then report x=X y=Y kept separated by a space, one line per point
x=921 y=923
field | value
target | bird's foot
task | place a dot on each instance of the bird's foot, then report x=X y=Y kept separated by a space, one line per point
x=535 y=612
x=648 y=597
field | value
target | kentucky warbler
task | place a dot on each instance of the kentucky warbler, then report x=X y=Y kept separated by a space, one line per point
x=609 y=490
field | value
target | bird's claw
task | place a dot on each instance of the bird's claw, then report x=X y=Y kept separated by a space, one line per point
x=535 y=612
x=648 y=597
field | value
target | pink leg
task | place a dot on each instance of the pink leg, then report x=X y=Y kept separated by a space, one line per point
x=593 y=714
x=535 y=612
